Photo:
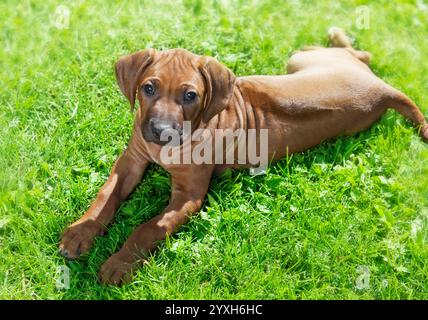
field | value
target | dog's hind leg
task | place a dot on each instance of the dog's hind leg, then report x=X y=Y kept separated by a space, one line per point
x=339 y=39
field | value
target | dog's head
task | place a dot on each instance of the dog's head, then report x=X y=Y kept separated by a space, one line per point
x=173 y=86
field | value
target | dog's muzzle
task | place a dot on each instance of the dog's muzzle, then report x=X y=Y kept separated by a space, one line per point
x=162 y=131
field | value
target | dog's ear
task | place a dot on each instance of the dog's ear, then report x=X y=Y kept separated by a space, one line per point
x=219 y=82
x=128 y=69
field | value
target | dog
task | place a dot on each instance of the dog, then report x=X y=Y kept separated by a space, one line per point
x=327 y=92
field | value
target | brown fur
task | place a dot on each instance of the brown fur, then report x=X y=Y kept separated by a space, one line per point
x=327 y=92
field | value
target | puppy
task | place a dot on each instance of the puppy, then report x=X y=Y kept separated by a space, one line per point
x=327 y=92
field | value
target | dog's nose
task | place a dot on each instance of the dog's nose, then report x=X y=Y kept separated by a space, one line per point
x=169 y=128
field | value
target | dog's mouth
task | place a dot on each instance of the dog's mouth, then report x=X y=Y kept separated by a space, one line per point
x=163 y=132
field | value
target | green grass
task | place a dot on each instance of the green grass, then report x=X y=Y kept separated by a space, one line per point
x=299 y=232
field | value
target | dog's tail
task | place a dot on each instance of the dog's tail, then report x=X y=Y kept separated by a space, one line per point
x=407 y=108
x=339 y=39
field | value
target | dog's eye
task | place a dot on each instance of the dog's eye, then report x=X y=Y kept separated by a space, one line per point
x=189 y=96
x=149 y=89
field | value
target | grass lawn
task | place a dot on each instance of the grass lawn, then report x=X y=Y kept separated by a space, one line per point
x=312 y=228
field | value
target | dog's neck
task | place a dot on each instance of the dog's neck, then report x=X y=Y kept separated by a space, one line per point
x=247 y=101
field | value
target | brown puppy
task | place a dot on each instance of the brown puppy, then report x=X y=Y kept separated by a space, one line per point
x=328 y=92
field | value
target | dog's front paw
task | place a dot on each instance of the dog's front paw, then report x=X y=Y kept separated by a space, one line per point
x=77 y=239
x=117 y=270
